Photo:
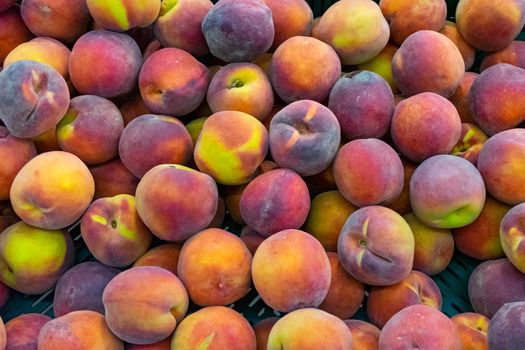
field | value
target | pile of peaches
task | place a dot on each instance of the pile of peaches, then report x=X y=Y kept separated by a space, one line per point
x=355 y=150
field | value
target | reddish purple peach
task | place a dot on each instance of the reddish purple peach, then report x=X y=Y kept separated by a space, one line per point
x=113 y=178
x=22 y=331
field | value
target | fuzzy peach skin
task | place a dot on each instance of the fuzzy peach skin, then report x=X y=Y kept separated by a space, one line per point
x=165 y=256
x=34 y=98
x=460 y=205
x=262 y=331
x=22 y=331
x=497 y=98
x=14 y=32
x=281 y=271
x=401 y=204
x=133 y=108
x=384 y=302
x=304 y=137
x=179 y=25
x=231 y=155
x=91 y=120
x=420 y=327
x=417 y=58
x=214 y=328
x=345 y=295
x=356 y=29
x=489 y=25
x=144 y=304
x=44 y=50
x=81 y=330
x=113 y=231
x=46 y=141
x=382 y=65
x=52 y=190
x=513 y=54
x=151 y=140
x=251 y=238
x=293 y=81
x=506 y=327
x=104 y=63
x=512 y=236
x=365 y=253
x=221 y=280
x=123 y=15
x=162 y=345
x=472 y=329
x=175 y=202
x=15 y=153
x=434 y=247
x=470 y=143
x=501 y=162
x=275 y=201
x=363 y=103
x=241 y=87
x=327 y=215
x=309 y=329
x=32 y=259
x=173 y=82
x=113 y=178
x=505 y=283
x=450 y=30
x=290 y=18
x=368 y=172
x=365 y=336
x=460 y=98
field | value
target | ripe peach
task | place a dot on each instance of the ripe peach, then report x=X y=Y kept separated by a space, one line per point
x=123 y=15
x=14 y=31
x=165 y=256
x=506 y=329
x=133 y=108
x=460 y=98
x=290 y=18
x=251 y=238
x=401 y=204
x=382 y=65
x=22 y=331
x=46 y=141
x=262 y=331
x=513 y=54
x=473 y=329
x=450 y=30
x=470 y=143
x=365 y=336
x=113 y=178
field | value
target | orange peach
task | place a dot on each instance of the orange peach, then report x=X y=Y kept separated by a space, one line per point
x=262 y=331
x=123 y=15
x=290 y=18
x=113 y=178
x=47 y=141
x=473 y=329
x=450 y=30
x=513 y=54
x=365 y=336
x=161 y=345
x=460 y=98
x=165 y=256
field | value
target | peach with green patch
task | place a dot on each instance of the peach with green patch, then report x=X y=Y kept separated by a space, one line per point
x=22 y=331
x=14 y=32
x=473 y=330
x=32 y=259
x=309 y=329
x=291 y=70
x=512 y=236
x=290 y=18
x=281 y=271
x=356 y=29
x=144 y=304
x=231 y=155
x=219 y=216
x=513 y=54
x=122 y=15
x=175 y=202
x=81 y=330
x=194 y=128
x=151 y=140
x=214 y=328
x=165 y=256
x=401 y=204
x=262 y=331
x=450 y=30
x=382 y=65
x=470 y=142
x=365 y=336
x=113 y=178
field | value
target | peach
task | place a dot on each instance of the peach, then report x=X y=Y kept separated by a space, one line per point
x=6 y=4
x=345 y=295
x=104 y=63
x=500 y=162
x=214 y=328
x=176 y=202
x=513 y=54
x=417 y=289
x=496 y=98
x=173 y=82
x=133 y=108
x=47 y=254
x=262 y=331
x=314 y=33
x=511 y=236
x=232 y=199
x=420 y=327
x=251 y=238
x=144 y=304
x=123 y=15
x=14 y=32
x=47 y=141
x=275 y=201
x=480 y=240
x=490 y=26
x=505 y=283
x=506 y=329
x=434 y=247
x=363 y=103
x=460 y=98
x=81 y=330
x=113 y=178
x=179 y=25
x=165 y=256
x=309 y=329
x=220 y=215
x=52 y=190
x=34 y=98
x=450 y=30
x=161 y=345
x=470 y=143
x=15 y=153
x=417 y=57
x=231 y=155
x=290 y=18
x=194 y=128
x=473 y=329
x=328 y=213
x=151 y=140
x=365 y=336
x=368 y=172
x=91 y=120
x=382 y=65
x=81 y=287
x=401 y=204
x=356 y=29
x=365 y=253
x=236 y=86
x=22 y=331
x=304 y=137
x=459 y=205
x=281 y=271
x=293 y=81
x=229 y=32
x=64 y=20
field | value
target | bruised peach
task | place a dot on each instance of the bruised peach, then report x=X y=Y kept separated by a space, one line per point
x=472 y=329
x=113 y=178
x=450 y=30
x=22 y=331
x=123 y=15
x=470 y=143
x=365 y=336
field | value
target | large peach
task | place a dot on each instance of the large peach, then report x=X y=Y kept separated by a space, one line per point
x=472 y=329
x=512 y=236
x=365 y=336
x=513 y=54
x=123 y=15
x=460 y=98
x=451 y=31
x=506 y=329
x=165 y=256
x=290 y=18
x=22 y=331
x=470 y=143
x=14 y=32
x=113 y=178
